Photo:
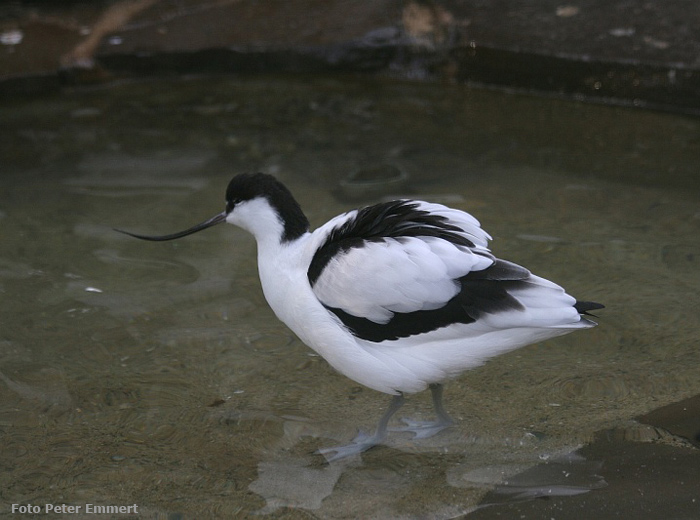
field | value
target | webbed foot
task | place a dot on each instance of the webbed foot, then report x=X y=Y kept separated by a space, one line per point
x=423 y=429
x=361 y=443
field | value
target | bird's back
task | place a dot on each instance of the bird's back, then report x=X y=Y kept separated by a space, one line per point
x=416 y=286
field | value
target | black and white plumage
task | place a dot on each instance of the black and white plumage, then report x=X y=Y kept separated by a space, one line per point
x=399 y=296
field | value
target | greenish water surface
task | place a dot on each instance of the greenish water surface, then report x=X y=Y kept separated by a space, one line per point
x=155 y=374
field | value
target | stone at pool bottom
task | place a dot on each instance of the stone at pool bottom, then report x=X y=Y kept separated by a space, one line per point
x=646 y=480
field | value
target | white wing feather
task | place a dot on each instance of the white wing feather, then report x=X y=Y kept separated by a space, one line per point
x=402 y=275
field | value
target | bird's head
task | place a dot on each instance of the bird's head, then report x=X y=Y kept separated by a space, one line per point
x=258 y=203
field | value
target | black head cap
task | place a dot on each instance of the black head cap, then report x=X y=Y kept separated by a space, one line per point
x=249 y=186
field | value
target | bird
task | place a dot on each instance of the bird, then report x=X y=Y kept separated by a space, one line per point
x=400 y=296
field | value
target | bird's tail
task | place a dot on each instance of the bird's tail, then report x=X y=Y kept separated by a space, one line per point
x=584 y=307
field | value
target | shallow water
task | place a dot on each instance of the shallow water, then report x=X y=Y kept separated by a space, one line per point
x=156 y=375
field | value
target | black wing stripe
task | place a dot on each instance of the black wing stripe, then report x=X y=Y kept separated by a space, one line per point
x=482 y=292
x=396 y=219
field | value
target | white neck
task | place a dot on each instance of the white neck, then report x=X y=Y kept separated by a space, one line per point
x=281 y=263
x=261 y=220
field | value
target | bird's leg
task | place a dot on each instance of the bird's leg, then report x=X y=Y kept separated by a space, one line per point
x=363 y=442
x=425 y=429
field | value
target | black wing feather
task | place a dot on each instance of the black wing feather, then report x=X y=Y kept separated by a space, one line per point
x=583 y=307
x=395 y=219
x=482 y=292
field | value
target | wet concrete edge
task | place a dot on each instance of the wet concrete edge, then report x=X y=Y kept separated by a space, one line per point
x=623 y=53
x=651 y=472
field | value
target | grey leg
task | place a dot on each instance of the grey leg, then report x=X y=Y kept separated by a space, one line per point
x=425 y=429
x=442 y=415
x=363 y=442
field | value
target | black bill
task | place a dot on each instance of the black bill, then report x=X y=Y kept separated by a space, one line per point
x=218 y=219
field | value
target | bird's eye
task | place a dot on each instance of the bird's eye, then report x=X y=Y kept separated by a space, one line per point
x=232 y=203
